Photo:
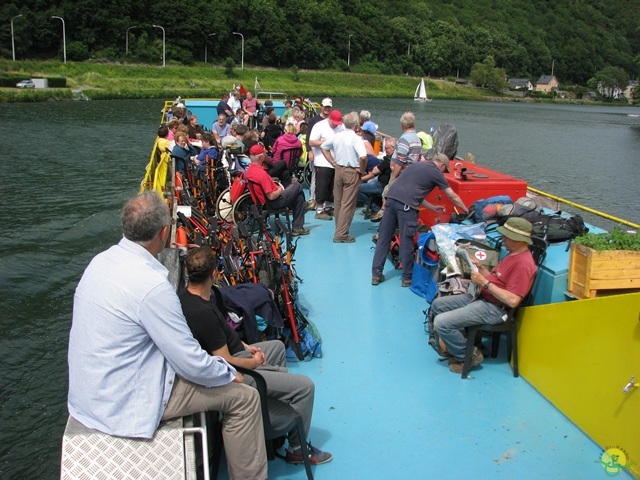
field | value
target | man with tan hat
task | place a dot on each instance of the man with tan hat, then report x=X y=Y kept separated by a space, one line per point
x=500 y=289
x=402 y=206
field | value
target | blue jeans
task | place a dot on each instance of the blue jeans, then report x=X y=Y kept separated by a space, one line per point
x=396 y=214
x=292 y=197
x=452 y=313
x=371 y=187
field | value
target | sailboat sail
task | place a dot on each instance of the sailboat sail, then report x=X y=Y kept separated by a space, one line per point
x=421 y=92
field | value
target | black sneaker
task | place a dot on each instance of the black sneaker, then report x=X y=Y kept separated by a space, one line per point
x=316 y=456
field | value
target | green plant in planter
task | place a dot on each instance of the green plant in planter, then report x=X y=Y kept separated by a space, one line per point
x=616 y=239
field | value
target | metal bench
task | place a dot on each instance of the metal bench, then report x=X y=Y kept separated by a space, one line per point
x=88 y=454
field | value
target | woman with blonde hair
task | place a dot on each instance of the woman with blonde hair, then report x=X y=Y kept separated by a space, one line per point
x=287 y=141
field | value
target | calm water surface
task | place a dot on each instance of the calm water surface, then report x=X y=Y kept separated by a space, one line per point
x=68 y=167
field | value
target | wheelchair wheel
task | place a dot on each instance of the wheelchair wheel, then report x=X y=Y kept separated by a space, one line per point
x=242 y=210
x=306 y=175
x=224 y=206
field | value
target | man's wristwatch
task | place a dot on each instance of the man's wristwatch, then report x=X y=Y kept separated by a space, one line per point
x=486 y=286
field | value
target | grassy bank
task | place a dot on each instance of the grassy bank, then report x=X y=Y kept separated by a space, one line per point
x=110 y=81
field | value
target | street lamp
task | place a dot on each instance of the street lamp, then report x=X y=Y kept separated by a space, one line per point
x=163 y=45
x=126 y=45
x=236 y=33
x=409 y=49
x=205 y=46
x=552 y=65
x=13 y=45
x=349 y=54
x=64 y=38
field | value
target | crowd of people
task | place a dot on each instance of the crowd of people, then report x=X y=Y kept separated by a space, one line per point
x=130 y=323
x=347 y=173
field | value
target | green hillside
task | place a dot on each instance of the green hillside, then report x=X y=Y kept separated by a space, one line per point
x=576 y=38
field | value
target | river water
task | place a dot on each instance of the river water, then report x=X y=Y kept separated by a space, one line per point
x=67 y=168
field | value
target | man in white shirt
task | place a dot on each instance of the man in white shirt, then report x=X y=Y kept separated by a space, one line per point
x=322 y=131
x=132 y=358
x=346 y=152
x=234 y=102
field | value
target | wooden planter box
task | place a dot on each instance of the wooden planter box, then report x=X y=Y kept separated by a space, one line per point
x=591 y=271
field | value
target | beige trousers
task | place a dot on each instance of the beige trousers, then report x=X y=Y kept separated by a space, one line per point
x=242 y=428
x=346 y=186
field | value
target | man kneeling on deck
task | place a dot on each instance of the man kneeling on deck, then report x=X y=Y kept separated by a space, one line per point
x=132 y=359
x=203 y=308
x=500 y=289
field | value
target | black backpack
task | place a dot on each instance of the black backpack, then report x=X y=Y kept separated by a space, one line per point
x=445 y=140
x=557 y=228
x=552 y=227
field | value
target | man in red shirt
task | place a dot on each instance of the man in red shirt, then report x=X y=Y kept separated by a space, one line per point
x=273 y=194
x=250 y=106
x=500 y=289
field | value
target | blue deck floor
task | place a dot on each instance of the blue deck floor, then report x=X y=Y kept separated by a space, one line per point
x=388 y=409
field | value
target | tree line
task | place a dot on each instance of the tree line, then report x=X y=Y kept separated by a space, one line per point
x=439 y=38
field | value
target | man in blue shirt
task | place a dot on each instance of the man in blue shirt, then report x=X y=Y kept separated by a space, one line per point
x=408 y=151
x=405 y=198
x=132 y=358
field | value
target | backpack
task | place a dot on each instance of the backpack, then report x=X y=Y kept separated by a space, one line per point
x=238 y=186
x=451 y=286
x=557 y=228
x=310 y=341
x=445 y=140
x=523 y=207
x=423 y=282
x=485 y=254
x=483 y=211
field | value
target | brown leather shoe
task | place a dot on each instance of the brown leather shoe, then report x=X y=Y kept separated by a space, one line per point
x=346 y=239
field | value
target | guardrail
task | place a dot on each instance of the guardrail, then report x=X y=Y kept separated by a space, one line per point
x=584 y=208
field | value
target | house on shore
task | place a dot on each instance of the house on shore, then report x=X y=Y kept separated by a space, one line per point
x=547 y=84
x=520 y=84
x=628 y=92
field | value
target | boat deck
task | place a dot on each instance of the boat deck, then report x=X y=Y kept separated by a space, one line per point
x=388 y=409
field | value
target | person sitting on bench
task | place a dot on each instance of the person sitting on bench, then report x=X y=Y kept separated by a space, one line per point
x=204 y=309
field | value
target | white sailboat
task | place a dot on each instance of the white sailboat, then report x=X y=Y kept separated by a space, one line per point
x=421 y=93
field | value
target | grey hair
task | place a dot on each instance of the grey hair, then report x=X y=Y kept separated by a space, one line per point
x=365 y=115
x=350 y=120
x=143 y=216
x=392 y=141
x=408 y=120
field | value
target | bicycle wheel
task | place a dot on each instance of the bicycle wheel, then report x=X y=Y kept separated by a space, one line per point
x=308 y=171
x=224 y=206
x=241 y=211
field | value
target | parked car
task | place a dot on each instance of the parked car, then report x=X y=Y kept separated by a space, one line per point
x=26 y=84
